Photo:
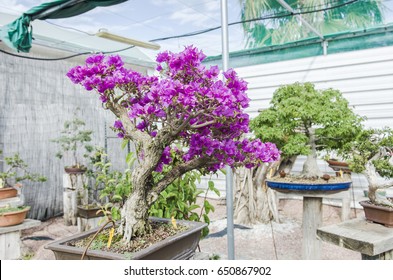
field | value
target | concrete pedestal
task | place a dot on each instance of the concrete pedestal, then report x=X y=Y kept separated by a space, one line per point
x=75 y=193
x=85 y=224
x=10 y=243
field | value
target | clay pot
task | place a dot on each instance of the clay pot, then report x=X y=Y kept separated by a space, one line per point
x=75 y=170
x=8 y=192
x=14 y=217
x=86 y=211
x=378 y=214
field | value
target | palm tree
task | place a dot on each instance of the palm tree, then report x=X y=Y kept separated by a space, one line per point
x=333 y=16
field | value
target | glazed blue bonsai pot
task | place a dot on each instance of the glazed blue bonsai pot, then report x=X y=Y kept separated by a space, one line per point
x=292 y=186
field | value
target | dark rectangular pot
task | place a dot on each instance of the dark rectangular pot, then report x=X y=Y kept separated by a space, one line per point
x=84 y=211
x=378 y=214
x=177 y=247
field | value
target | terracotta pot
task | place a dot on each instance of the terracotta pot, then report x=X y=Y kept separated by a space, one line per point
x=13 y=218
x=179 y=246
x=8 y=192
x=339 y=165
x=75 y=170
x=378 y=214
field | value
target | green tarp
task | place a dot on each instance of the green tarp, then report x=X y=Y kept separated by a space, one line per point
x=18 y=34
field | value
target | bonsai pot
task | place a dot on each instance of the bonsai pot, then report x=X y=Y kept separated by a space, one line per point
x=8 y=192
x=339 y=165
x=75 y=170
x=179 y=246
x=309 y=187
x=378 y=214
x=14 y=217
x=89 y=211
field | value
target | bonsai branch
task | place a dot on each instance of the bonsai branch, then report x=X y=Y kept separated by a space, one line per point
x=176 y=172
x=129 y=126
x=202 y=124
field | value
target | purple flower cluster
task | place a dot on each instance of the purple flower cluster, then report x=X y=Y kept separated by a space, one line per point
x=205 y=113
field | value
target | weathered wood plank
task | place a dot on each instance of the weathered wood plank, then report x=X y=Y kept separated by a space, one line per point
x=359 y=235
x=312 y=220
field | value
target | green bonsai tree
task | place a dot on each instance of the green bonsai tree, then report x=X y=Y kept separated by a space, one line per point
x=371 y=153
x=73 y=138
x=16 y=172
x=302 y=120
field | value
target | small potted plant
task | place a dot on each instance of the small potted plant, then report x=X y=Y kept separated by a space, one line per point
x=189 y=106
x=106 y=186
x=74 y=138
x=305 y=121
x=371 y=153
x=15 y=173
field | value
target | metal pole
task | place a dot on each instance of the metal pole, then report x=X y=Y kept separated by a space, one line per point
x=229 y=175
x=45 y=13
x=307 y=24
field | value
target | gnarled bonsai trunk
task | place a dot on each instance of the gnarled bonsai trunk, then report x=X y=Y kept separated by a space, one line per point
x=135 y=211
x=310 y=167
x=135 y=214
x=373 y=185
x=145 y=191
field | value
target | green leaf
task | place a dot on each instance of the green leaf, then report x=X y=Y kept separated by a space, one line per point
x=207 y=206
x=117 y=197
x=193 y=207
x=130 y=158
x=124 y=143
x=206 y=218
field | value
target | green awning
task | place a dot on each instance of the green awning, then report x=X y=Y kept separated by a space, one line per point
x=18 y=34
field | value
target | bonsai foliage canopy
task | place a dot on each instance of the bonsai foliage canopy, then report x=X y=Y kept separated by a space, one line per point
x=371 y=153
x=73 y=138
x=187 y=118
x=302 y=120
x=17 y=170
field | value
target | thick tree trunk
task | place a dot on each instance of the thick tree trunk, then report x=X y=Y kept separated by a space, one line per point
x=254 y=202
x=134 y=213
x=135 y=216
x=310 y=167
x=145 y=191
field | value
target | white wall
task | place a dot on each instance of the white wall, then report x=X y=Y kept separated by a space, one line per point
x=364 y=77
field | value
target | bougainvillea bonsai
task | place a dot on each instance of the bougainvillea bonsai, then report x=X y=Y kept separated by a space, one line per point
x=186 y=118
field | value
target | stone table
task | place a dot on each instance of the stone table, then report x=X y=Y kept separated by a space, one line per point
x=373 y=241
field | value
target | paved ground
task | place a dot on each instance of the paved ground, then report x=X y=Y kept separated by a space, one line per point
x=281 y=241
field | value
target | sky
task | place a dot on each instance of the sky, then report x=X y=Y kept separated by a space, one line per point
x=151 y=19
